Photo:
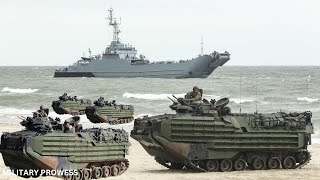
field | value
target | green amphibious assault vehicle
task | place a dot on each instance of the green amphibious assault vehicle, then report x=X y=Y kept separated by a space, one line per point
x=70 y=105
x=50 y=148
x=109 y=112
x=206 y=136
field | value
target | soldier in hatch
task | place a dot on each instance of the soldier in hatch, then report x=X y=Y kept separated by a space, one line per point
x=114 y=103
x=101 y=101
x=64 y=97
x=42 y=112
x=67 y=127
x=195 y=94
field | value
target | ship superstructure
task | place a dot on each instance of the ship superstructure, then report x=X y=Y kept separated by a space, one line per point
x=120 y=60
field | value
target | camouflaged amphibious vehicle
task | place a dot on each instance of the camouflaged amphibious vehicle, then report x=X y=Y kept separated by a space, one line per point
x=46 y=145
x=206 y=136
x=109 y=112
x=70 y=105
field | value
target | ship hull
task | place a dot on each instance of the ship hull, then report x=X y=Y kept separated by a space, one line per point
x=200 y=67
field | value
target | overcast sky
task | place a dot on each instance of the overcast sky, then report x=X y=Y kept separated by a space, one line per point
x=57 y=32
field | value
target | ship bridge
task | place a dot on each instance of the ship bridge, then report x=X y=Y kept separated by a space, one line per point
x=125 y=51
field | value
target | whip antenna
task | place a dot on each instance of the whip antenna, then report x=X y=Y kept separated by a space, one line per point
x=256 y=97
x=305 y=103
x=281 y=99
x=240 y=90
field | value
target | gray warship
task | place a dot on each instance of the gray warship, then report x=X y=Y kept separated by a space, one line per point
x=121 y=60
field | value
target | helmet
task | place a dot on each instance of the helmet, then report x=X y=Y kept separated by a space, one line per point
x=195 y=88
x=41 y=107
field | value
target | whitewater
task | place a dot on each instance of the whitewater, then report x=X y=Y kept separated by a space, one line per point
x=264 y=89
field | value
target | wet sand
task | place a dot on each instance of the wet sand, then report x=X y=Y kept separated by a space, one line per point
x=143 y=166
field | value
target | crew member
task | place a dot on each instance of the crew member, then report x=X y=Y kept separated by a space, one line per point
x=195 y=94
x=67 y=127
x=64 y=97
x=114 y=103
x=42 y=112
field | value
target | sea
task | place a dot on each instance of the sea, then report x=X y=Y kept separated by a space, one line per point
x=262 y=89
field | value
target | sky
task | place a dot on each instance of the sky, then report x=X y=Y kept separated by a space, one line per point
x=59 y=32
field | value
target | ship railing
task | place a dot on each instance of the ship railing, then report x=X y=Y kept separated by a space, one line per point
x=169 y=62
x=62 y=69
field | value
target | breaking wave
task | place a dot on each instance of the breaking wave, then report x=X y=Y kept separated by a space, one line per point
x=9 y=111
x=238 y=101
x=150 y=96
x=208 y=97
x=10 y=115
x=19 y=91
x=141 y=115
x=308 y=100
x=165 y=97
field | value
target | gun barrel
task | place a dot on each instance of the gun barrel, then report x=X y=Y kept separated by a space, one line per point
x=21 y=117
x=170 y=99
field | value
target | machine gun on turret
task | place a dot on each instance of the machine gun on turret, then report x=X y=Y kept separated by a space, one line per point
x=182 y=105
x=39 y=123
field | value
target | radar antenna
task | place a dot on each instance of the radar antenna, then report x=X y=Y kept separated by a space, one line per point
x=113 y=22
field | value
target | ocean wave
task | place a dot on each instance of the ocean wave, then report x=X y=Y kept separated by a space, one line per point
x=238 y=101
x=165 y=97
x=9 y=111
x=142 y=115
x=308 y=100
x=316 y=140
x=19 y=91
x=150 y=96
x=208 y=97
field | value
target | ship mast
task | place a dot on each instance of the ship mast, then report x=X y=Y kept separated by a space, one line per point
x=201 y=45
x=113 y=22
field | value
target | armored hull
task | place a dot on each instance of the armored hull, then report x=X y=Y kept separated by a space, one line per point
x=67 y=151
x=118 y=114
x=208 y=138
x=73 y=107
x=82 y=154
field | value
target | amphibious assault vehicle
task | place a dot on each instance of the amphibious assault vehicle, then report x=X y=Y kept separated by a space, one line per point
x=207 y=136
x=109 y=112
x=70 y=105
x=47 y=146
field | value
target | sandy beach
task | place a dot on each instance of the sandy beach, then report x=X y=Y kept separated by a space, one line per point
x=142 y=166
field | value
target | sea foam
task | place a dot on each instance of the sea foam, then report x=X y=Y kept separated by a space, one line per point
x=19 y=91
x=7 y=111
x=238 y=101
x=308 y=100
x=150 y=96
